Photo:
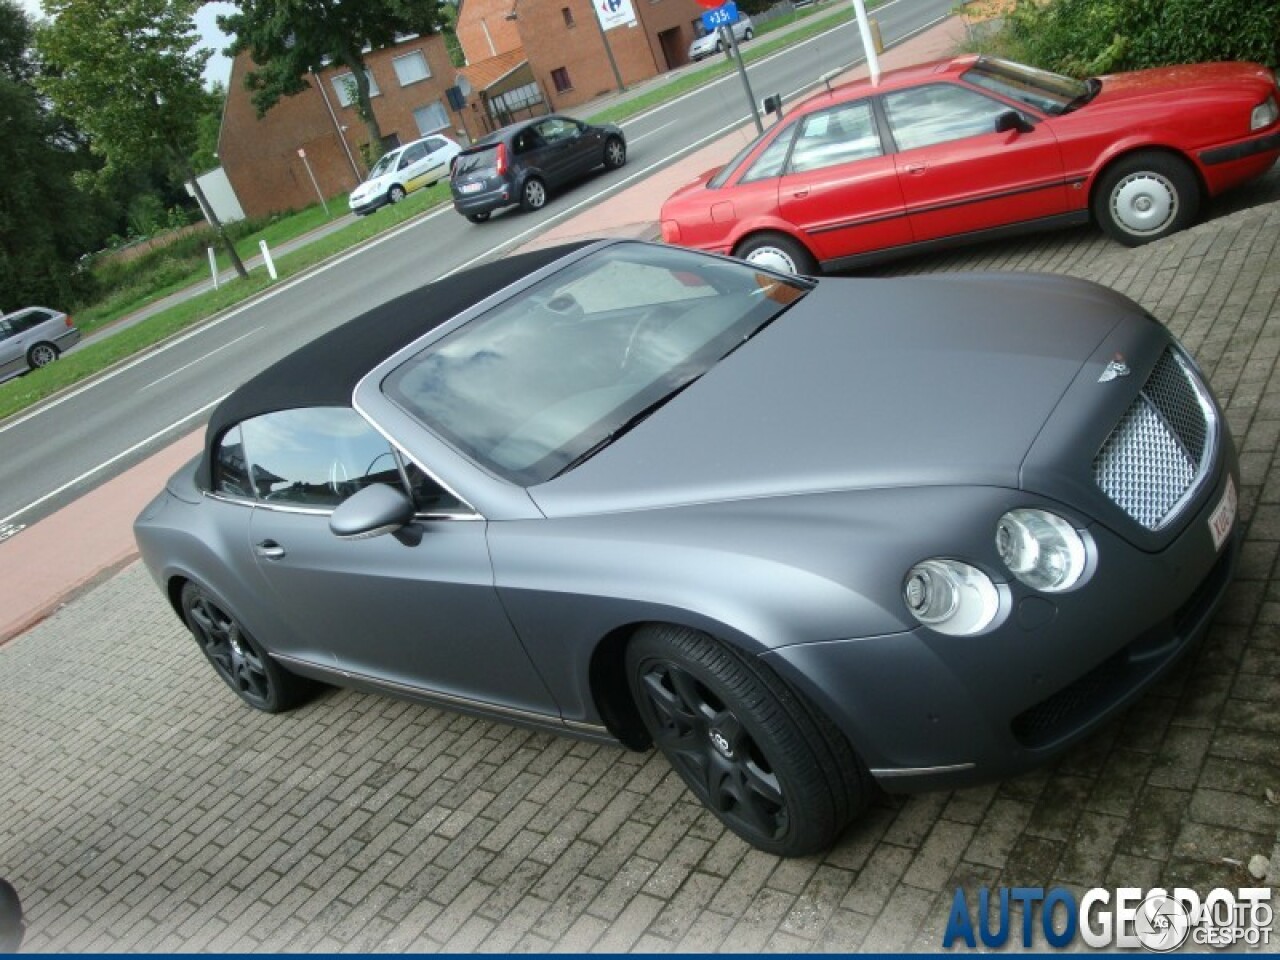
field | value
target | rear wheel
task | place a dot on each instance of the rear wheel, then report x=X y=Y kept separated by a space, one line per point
x=749 y=34
x=615 y=153
x=42 y=354
x=236 y=657
x=533 y=196
x=1145 y=197
x=775 y=771
x=395 y=194
x=777 y=252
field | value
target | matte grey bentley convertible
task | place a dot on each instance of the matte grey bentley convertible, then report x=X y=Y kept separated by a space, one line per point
x=804 y=536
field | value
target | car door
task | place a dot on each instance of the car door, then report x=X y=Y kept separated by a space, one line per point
x=415 y=611
x=436 y=166
x=840 y=186
x=12 y=357
x=414 y=167
x=958 y=173
x=561 y=157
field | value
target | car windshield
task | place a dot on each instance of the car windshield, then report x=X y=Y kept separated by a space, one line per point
x=1047 y=92
x=383 y=165
x=547 y=378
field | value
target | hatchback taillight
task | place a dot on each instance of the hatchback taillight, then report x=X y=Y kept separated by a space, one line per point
x=501 y=164
x=70 y=320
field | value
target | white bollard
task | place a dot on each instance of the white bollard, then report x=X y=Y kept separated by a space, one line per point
x=266 y=258
x=213 y=267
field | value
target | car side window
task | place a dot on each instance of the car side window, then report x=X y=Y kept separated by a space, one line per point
x=6 y=331
x=938 y=113
x=557 y=129
x=841 y=135
x=32 y=318
x=413 y=154
x=433 y=144
x=317 y=457
x=770 y=163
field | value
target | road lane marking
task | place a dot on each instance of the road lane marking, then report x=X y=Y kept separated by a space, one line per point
x=106 y=463
x=187 y=366
x=653 y=131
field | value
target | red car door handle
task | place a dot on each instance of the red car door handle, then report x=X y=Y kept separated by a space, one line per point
x=800 y=192
x=915 y=169
x=269 y=549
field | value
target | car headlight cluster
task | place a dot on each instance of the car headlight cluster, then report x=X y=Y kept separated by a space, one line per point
x=1040 y=549
x=951 y=597
x=1264 y=114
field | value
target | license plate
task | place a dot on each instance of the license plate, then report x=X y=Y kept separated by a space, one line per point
x=470 y=188
x=1223 y=517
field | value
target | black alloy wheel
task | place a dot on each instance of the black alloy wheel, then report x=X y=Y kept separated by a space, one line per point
x=236 y=657
x=776 y=772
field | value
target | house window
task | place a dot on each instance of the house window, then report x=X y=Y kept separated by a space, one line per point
x=560 y=77
x=411 y=68
x=430 y=118
x=568 y=16
x=344 y=85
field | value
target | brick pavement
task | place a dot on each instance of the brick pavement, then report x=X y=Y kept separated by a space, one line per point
x=146 y=810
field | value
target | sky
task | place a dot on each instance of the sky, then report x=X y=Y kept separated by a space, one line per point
x=218 y=69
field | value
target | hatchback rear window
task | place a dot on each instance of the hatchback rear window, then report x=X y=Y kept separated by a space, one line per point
x=475 y=160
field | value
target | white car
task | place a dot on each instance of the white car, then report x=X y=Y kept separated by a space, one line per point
x=34 y=337
x=403 y=170
x=710 y=43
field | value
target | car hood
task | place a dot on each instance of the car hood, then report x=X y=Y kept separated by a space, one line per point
x=1182 y=82
x=862 y=384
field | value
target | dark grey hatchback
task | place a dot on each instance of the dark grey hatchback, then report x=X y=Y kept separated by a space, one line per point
x=802 y=535
x=520 y=163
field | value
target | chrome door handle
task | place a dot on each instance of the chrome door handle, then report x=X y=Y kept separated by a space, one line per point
x=800 y=192
x=915 y=169
x=269 y=550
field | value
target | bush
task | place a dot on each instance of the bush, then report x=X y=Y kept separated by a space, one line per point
x=1083 y=37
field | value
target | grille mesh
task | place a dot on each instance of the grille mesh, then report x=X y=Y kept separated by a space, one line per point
x=1160 y=448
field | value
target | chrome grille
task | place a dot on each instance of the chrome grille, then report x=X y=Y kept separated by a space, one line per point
x=1154 y=459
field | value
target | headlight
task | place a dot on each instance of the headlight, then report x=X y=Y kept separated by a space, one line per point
x=1041 y=549
x=1264 y=114
x=951 y=597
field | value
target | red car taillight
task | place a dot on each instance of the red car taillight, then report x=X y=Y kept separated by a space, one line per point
x=70 y=320
x=501 y=164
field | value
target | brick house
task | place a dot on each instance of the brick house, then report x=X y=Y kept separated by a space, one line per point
x=261 y=156
x=563 y=47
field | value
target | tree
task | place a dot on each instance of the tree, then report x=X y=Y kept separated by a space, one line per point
x=129 y=74
x=45 y=224
x=288 y=39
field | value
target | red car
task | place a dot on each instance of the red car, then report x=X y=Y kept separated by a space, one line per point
x=977 y=147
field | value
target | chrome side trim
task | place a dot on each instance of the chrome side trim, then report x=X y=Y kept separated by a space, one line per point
x=894 y=773
x=453 y=700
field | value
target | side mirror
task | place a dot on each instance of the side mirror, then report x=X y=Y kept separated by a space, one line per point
x=1012 y=120
x=375 y=510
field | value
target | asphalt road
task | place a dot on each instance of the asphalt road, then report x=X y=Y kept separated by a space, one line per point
x=55 y=453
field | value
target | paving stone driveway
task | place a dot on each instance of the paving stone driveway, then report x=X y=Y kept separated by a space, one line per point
x=144 y=809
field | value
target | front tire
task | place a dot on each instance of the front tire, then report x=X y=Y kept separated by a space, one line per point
x=774 y=771
x=533 y=195
x=236 y=657
x=615 y=153
x=1146 y=197
x=41 y=355
x=777 y=252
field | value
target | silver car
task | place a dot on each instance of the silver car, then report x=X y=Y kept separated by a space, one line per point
x=34 y=337
x=709 y=43
x=804 y=536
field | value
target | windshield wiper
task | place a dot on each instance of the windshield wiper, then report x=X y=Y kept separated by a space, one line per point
x=627 y=425
x=1092 y=87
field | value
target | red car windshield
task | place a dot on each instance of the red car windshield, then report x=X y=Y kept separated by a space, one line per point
x=1047 y=92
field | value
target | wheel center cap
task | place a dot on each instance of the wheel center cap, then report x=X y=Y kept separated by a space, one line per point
x=721 y=743
x=1143 y=204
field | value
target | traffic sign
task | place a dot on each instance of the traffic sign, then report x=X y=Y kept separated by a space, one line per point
x=724 y=15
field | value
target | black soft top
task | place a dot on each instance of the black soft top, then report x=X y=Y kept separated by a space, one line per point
x=324 y=372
